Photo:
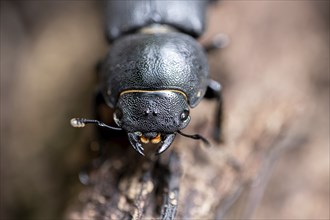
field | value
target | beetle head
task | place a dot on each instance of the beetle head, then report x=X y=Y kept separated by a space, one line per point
x=152 y=116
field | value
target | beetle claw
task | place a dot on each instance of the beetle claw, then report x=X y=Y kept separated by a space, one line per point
x=167 y=142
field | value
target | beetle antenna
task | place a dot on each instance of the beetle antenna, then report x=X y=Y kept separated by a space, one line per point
x=81 y=122
x=196 y=137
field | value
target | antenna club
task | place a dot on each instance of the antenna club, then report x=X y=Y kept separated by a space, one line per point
x=77 y=123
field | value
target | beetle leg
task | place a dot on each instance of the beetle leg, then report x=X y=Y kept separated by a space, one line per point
x=214 y=92
x=98 y=101
x=98 y=66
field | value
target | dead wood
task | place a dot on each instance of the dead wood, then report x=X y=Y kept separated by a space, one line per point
x=266 y=114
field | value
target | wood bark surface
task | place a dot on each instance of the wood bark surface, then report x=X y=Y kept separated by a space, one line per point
x=275 y=76
x=265 y=84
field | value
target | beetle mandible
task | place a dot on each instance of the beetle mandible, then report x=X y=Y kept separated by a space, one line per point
x=155 y=70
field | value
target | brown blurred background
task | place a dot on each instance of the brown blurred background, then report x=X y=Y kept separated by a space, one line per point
x=49 y=50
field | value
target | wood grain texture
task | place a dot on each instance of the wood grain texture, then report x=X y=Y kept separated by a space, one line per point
x=266 y=114
x=275 y=75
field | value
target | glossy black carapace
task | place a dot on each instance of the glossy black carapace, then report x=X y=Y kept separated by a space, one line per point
x=155 y=70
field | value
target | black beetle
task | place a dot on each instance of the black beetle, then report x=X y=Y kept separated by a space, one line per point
x=155 y=70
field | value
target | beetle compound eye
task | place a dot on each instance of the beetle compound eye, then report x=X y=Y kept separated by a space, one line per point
x=117 y=116
x=184 y=115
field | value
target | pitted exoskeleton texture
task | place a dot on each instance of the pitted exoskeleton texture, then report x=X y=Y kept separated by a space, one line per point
x=159 y=112
x=153 y=62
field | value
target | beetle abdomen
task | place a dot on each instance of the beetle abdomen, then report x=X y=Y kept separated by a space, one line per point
x=155 y=62
x=124 y=17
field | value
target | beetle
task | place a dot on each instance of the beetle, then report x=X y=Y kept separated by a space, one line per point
x=155 y=70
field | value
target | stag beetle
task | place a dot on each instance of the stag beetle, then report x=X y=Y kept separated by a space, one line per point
x=155 y=70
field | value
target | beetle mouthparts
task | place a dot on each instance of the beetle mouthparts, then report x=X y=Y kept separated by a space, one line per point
x=133 y=139
x=168 y=139
x=154 y=140
x=137 y=140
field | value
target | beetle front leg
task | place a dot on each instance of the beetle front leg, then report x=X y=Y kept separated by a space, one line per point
x=214 y=91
